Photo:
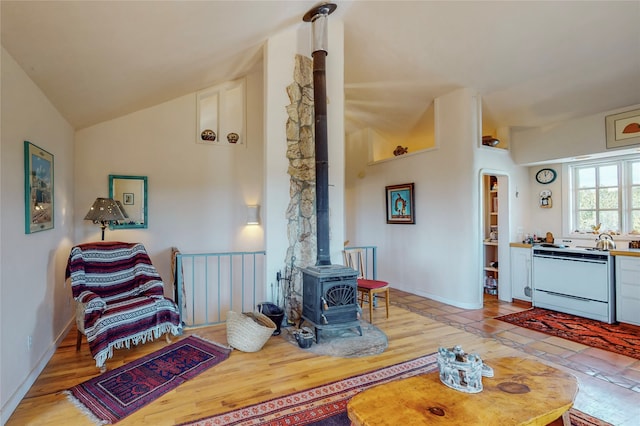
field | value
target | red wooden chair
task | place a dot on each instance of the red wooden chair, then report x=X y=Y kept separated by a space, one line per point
x=367 y=289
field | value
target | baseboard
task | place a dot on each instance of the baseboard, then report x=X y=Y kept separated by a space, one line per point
x=12 y=403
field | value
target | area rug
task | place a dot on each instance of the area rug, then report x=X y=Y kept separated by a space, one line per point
x=326 y=405
x=619 y=338
x=115 y=394
x=346 y=342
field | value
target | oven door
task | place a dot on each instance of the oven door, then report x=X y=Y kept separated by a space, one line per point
x=586 y=279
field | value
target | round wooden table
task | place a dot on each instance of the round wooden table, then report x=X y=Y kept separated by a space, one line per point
x=521 y=392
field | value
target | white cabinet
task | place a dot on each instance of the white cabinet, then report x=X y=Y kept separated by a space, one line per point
x=521 y=273
x=628 y=289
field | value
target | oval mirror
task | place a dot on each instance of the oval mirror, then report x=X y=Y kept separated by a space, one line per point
x=130 y=192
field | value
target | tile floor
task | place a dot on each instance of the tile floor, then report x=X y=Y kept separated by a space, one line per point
x=610 y=376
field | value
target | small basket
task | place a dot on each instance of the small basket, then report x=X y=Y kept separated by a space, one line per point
x=248 y=331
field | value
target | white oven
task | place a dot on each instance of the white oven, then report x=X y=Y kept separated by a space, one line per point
x=575 y=281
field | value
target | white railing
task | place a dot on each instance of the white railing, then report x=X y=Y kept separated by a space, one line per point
x=208 y=285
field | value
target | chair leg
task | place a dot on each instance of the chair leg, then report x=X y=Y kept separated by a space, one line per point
x=370 y=296
x=386 y=301
x=78 y=341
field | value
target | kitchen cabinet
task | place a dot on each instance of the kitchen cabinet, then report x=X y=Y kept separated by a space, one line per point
x=521 y=272
x=490 y=242
x=628 y=289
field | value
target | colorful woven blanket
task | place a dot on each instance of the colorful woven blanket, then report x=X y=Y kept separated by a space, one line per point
x=121 y=296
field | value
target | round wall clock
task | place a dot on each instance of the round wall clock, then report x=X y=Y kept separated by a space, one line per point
x=545 y=176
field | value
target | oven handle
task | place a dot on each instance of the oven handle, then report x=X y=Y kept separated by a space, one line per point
x=568 y=296
x=571 y=259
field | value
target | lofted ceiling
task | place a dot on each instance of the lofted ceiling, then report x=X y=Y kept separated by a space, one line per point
x=534 y=63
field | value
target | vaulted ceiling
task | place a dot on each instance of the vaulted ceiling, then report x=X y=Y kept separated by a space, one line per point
x=534 y=63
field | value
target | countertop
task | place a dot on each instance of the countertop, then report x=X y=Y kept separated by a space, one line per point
x=616 y=252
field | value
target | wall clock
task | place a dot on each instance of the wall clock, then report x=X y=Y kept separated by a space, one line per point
x=545 y=176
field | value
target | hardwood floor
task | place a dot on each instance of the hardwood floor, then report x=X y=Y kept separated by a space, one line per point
x=609 y=384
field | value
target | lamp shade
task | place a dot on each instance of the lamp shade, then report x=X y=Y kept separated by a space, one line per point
x=253 y=215
x=104 y=210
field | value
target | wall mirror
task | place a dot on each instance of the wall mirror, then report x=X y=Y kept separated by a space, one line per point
x=131 y=194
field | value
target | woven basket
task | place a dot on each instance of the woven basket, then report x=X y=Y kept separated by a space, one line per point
x=248 y=331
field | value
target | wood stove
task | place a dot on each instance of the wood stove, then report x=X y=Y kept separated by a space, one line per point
x=330 y=298
x=329 y=292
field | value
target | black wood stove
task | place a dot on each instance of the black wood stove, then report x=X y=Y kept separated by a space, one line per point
x=330 y=292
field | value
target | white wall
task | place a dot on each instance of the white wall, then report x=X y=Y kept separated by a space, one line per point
x=551 y=146
x=32 y=266
x=279 y=57
x=436 y=257
x=572 y=138
x=197 y=193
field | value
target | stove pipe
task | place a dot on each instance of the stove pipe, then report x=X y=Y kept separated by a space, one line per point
x=318 y=17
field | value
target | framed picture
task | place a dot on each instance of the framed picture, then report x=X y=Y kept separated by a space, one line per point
x=127 y=198
x=400 y=204
x=38 y=189
x=623 y=129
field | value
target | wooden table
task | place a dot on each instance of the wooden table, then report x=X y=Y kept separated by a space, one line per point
x=521 y=392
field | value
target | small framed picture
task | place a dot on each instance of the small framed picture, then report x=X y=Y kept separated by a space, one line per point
x=400 y=204
x=623 y=129
x=127 y=198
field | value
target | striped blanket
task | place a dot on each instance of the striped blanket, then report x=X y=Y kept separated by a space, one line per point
x=120 y=295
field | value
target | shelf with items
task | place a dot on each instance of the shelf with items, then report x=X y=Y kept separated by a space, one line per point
x=490 y=243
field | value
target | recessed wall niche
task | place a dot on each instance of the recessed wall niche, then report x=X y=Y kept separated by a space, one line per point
x=221 y=114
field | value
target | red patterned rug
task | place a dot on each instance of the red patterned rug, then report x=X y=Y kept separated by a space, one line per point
x=115 y=394
x=622 y=339
x=326 y=405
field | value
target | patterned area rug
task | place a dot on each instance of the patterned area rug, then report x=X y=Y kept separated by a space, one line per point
x=115 y=394
x=326 y=405
x=623 y=339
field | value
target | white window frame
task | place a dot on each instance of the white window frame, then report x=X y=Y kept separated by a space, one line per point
x=624 y=188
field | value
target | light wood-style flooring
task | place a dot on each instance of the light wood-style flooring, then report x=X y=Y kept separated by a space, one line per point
x=609 y=384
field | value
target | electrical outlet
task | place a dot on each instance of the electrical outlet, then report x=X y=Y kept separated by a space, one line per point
x=29 y=343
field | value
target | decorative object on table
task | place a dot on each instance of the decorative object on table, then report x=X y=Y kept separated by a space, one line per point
x=112 y=396
x=104 y=211
x=248 y=331
x=400 y=204
x=275 y=314
x=634 y=244
x=304 y=336
x=326 y=404
x=460 y=371
x=549 y=238
x=605 y=242
x=545 y=199
x=546 y=176
x=623 y=129
x=618 y=338
x=489 y=140
x=400 y=150
x=38 y=189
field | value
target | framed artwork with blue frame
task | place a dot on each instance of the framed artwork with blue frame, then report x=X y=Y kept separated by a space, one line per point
x=38 y=189
x=401 y=204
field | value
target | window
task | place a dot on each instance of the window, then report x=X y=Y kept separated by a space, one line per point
x=605 y=196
